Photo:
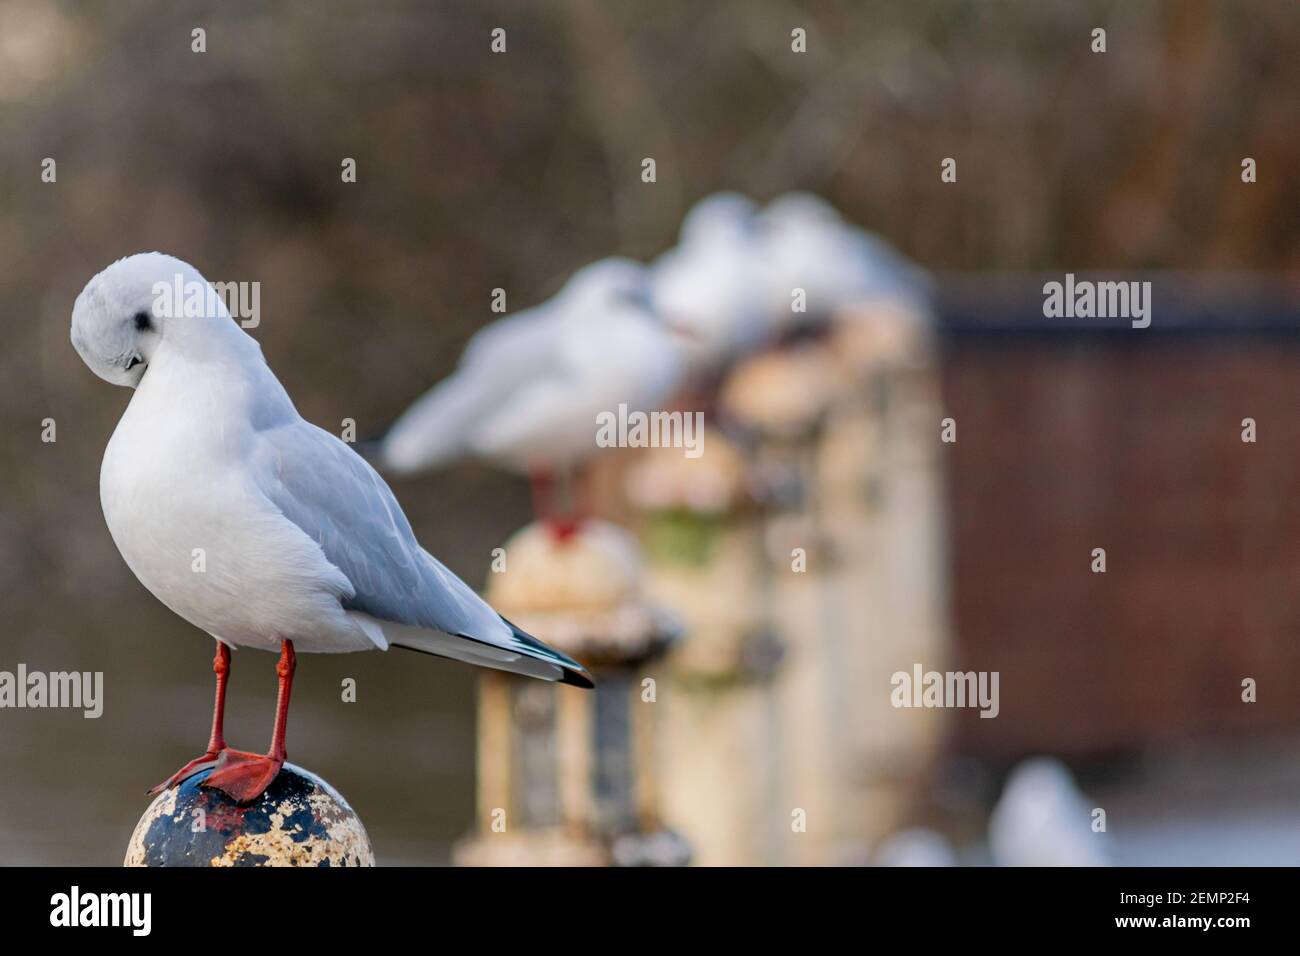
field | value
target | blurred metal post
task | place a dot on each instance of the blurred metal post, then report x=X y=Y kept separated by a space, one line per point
x=700 y=528
x=567 y=776
x=844 y=428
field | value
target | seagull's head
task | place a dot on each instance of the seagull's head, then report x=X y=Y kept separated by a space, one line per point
x=800 y=209
x=608 y=284
x=119 y=318
x=723 y=217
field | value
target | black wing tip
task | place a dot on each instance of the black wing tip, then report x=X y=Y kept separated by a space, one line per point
x=571 y=672
x=577 y=678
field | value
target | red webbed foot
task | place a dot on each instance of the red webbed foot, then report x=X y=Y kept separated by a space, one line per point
x=242 y=776
x=190 y=769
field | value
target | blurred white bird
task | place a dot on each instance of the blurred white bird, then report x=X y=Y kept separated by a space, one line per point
x=918 y=846
x=302 y=543
x=732 y=276
x=806 y=244
x=1043 y=820
x=710 y=282
x=529 y=388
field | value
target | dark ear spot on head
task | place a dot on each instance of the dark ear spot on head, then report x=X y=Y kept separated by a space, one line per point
x=143 y=322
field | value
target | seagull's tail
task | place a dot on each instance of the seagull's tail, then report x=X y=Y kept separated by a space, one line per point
x=573 y=672
x=524 y=655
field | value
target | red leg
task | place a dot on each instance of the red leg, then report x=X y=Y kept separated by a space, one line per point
x=220 y=667
x=577 y=487
x=244 y=776
x=284 y=670
x=216 y=740
x=541 y=484
x=544 y=508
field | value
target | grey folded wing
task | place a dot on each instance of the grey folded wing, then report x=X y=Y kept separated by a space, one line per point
x=337 y=499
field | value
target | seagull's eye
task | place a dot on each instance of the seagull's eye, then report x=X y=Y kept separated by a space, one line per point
x=143 y=322
x=135 y=360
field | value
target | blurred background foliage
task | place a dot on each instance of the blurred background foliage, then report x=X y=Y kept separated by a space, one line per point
x=476 y=171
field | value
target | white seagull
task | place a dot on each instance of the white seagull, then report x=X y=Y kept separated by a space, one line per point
x=254 y=525
x=1043 y=820
x=712 y=282
x=528 y=390
x=806 y=244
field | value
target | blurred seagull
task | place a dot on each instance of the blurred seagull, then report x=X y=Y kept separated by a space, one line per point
x=711 y=282
x=1043 y=820
x=806 y=244
x=528 y=389
x=917 y=846
x=254 y=525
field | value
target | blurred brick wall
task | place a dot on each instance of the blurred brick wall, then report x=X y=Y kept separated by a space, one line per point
x=1130 y=443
